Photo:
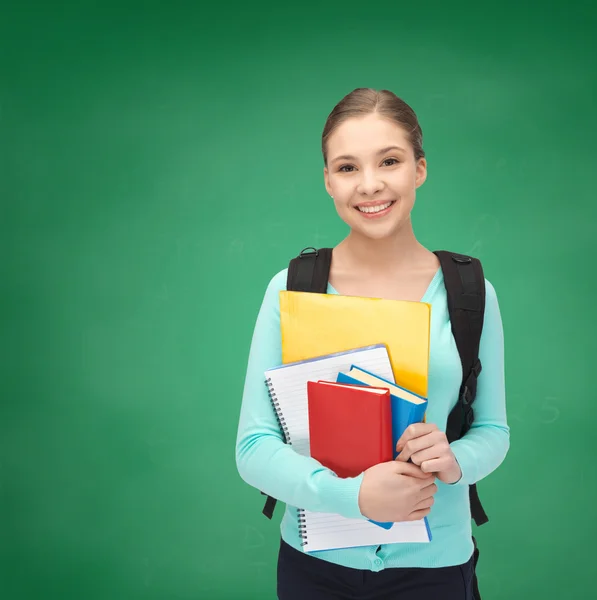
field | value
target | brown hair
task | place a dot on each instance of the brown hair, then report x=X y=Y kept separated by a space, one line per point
x=364 y=101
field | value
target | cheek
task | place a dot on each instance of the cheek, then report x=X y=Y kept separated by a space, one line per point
x=347 y=213
x=342 y=204
x=404 y=181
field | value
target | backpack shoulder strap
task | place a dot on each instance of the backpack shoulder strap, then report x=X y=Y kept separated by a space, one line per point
x=310 y=270
x=465 y=288
x=307 y=272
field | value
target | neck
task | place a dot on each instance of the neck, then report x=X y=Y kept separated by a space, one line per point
x=383 y=255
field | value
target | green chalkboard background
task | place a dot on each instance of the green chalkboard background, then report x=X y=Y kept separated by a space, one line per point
x=160 y=161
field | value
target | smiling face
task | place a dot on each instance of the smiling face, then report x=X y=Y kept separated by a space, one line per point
x=372 y=175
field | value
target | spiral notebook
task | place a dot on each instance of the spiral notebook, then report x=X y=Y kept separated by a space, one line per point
x=287 y=386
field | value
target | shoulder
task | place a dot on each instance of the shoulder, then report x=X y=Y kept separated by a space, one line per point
x=492 y=305
x=274 y=286
x=490 y=290
x=277 y=282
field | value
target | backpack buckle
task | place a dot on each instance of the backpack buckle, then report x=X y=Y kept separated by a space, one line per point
x=476 y=369
x=305 y=253
x=466 y=395
x=473 y=375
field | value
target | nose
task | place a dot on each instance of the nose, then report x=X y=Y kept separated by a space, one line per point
x=370 y=182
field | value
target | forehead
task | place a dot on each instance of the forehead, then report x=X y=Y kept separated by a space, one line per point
x=361 y=136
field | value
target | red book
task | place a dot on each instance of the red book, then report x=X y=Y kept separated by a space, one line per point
x=350 y=426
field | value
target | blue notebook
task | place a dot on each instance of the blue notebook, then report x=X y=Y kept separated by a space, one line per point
x=407 y=407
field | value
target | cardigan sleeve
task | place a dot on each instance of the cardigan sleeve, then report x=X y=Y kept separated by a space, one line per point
x=484 y=447
x=263 y=459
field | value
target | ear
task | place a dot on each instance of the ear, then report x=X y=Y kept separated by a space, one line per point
x=421 y=172
x=326 y=180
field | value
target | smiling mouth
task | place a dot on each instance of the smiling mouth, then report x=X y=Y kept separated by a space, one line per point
x=373 y=210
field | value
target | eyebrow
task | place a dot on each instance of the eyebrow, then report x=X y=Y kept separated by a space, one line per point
x=382 y=151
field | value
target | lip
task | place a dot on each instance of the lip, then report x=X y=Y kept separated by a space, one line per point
x=375 y=203
x=376 y=215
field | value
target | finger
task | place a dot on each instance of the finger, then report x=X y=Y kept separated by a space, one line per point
x=436 y=451
x=435 y=465
x=416 y=515
x=421 y=443
x=425 y=503
x=414 y=431
x=427 y=491
x=412 y=471
x=402 y=457
x=419 y=433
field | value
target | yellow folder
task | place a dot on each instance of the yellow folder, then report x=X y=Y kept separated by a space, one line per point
x=317 y=324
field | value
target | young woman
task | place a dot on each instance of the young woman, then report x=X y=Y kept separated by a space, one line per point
x=373 y=164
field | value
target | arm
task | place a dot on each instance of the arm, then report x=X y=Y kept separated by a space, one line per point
x=263 y=459
x=483 y=448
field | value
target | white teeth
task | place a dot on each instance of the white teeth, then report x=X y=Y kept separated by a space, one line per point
x=373 y=209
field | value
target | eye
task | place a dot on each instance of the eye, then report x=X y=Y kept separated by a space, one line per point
x=392 y=162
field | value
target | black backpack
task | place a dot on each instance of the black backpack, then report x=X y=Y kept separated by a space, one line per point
x=465 y=287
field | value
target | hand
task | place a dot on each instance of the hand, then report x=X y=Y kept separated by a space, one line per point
x=395 y=492
x=428 y=447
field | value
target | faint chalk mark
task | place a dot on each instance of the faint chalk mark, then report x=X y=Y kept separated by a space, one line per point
x=548 y=407
x=147 y=572
x=157 y=441
x=487 y=225
x=544 y=411
x=516 y=406
x=476 y=249
x=486 y=229
x=433 y=99
x=163 y=295
x=258 y=568
x=179 y=248
x=253 y=538
x=318 y=240
x=236 y=247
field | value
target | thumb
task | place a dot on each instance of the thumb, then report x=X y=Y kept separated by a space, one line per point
x=405 y=468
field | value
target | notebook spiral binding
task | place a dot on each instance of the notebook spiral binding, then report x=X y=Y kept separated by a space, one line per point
x=276 y=404
x=302 y=527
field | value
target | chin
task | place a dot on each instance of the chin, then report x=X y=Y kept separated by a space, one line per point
x=376 y=231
